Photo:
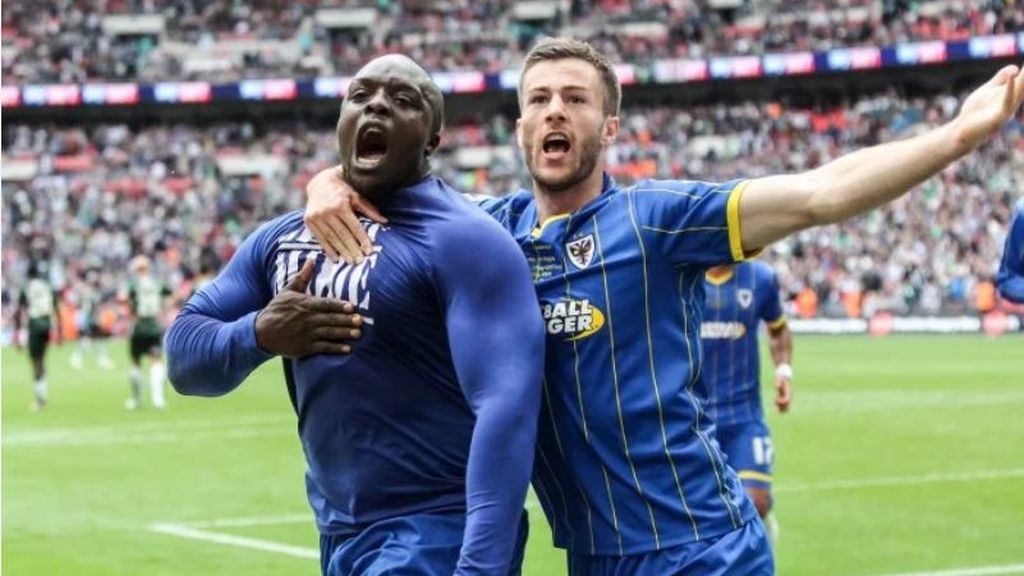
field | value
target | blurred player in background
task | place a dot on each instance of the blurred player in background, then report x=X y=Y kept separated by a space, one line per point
x=38 y=304
x=147 y=299
x=92 y=335
x=420 y=441
x=1011 y=270
x=737 y=299
x=626 y=473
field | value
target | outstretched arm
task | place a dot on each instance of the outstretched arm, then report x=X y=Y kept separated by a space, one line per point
x=774 y=207
x=1011 y=269
x=497 y=343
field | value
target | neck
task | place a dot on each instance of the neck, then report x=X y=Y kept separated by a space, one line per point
x=552 y=203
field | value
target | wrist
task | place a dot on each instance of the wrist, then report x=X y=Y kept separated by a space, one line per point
x=784 y=371
x=956 y=141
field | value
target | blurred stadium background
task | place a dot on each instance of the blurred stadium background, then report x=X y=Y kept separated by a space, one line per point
x=173 y=128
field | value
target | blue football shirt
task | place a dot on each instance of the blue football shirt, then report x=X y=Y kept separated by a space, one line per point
x=451 y=356
x=734 y=307
x=1011 y=269
x=626 y=463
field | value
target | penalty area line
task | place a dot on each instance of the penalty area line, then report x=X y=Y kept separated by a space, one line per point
x=232 y=540
x=977 y=571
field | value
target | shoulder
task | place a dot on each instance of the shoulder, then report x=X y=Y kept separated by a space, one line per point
x=763 y=273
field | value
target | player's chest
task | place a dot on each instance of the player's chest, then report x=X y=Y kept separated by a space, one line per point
x=732 y=300
x=582 y=274
x=387 y=285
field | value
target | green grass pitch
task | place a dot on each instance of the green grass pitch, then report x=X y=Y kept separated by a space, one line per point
x=901 y=455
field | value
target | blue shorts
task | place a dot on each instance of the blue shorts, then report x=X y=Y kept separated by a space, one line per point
x=744 y=551
x=414 y=545
x=748 y=447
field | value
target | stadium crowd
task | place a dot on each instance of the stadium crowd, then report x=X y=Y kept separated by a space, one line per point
x=69 y=41
x=188 y=195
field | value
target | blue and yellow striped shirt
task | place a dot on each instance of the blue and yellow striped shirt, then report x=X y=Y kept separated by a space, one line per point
x=625 y=460
x=734 y=307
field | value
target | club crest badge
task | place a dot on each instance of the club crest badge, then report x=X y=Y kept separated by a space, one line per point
x=745 y=297
x=581 y=251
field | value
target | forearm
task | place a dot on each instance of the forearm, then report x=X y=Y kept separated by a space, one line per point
x=774 y=207
x=781 y=345
x=211 y=357
x=497 y=476
x=868 y=178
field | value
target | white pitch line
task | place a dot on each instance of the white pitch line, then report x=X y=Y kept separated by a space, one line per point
x=56 y=435
x=933 y=478
x=250 y=521
x=979 y=571
x=240 y=541
x=147 y=437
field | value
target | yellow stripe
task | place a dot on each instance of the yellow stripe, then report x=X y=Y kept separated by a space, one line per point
x=615 y=516
x=752 y=475
x=733 y=221
x=696 y=404
x=615 y=383
x=579 y=386
x=561 y=492
x=654 y=375
x=689 y=229
x=561 y=452
x=540 y=227
x=576 y=355
x=778 y=323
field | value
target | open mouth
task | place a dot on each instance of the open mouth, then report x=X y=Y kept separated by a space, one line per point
x=371 y=146
x=556 y=145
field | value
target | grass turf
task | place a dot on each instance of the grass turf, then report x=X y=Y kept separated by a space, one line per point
x=901 y=454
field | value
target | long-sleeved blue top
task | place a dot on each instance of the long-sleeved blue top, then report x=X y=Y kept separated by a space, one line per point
x=435 y=410
x=1011 y=270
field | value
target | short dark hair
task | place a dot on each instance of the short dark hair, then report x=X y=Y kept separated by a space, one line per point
x=571 y=48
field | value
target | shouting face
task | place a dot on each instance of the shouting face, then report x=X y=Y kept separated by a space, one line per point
x=563 y=127
x=389 y=125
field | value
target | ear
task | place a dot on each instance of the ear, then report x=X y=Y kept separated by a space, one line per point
x=611 y=130
x=432 y=145
x=519 y=132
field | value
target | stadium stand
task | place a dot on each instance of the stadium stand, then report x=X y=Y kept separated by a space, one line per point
x=73 y=41
x=114 y=191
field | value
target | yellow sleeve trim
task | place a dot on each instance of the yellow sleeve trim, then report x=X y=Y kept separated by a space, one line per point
x=752 y=475
x=778 y=323
x=732 y=218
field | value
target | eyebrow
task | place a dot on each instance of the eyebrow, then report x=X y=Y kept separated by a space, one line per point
x=548 y=88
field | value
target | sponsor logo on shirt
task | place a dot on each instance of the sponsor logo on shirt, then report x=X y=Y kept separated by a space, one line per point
x=722 y=330
x=574 y=319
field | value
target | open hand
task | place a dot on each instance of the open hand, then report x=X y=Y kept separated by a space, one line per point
x=331 y=208
x=989 y=107
x=295 y=324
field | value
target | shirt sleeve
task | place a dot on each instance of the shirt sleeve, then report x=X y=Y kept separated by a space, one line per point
x=692 y=222
x=211 y=345
x=497 y=345
x=1010 y=279
x=772 y=312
